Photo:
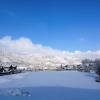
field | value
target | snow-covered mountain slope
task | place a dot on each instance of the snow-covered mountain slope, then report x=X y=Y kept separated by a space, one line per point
x=68 y=85
x=34 y=59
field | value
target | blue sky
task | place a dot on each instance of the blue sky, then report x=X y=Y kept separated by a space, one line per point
x=62 y=24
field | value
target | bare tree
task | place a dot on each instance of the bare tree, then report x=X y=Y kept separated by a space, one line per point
x=86 y=63
x=97 y=63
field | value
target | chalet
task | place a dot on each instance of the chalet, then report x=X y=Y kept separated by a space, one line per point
x=8 y=70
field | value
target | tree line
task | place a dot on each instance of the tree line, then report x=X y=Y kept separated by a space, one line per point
x=92 y=65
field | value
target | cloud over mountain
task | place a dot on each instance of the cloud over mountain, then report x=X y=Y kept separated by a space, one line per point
x=24 y=51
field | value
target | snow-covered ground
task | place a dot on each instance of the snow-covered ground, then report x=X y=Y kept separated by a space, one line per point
x=64 y=85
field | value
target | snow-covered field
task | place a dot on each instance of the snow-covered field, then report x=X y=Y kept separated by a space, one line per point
x=64 y=85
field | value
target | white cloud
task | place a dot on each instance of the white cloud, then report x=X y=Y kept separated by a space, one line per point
x=24 y=51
